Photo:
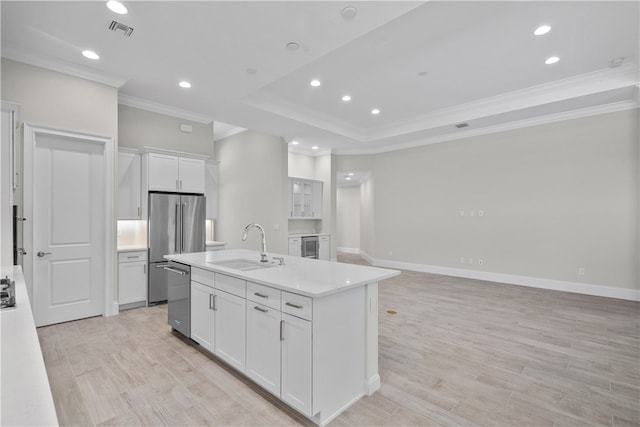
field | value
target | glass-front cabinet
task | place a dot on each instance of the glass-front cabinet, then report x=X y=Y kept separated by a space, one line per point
x=305 y=199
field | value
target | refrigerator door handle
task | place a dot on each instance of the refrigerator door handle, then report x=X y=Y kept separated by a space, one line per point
x=177 y=237
x=182 y=228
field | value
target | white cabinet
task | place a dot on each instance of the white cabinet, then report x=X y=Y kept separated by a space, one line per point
x=324 y=247
x=305 y=199
x=129 y=173
x=295 y=246
x=218 y=315
x=211 y=189
x=173 y=173
x=132 y=278
x=202 y=315
x=296 y=363
x=263 y=346
x=229 y=331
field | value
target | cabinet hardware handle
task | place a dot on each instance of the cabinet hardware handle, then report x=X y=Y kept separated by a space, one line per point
x=144 y=268
x=260 y=309
x=177 y=184
x=282 y=330
x=258 y=294
x=133 y=257
x=290 y=304
x=138 y=211
x=210 y=301
x=215 y=300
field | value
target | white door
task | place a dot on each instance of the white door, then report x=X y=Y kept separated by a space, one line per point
x=69 y=197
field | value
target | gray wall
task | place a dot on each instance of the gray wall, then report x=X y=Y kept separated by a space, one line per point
x=252 y=188
x=555 y=198
x=348 y=217
x=139 y=128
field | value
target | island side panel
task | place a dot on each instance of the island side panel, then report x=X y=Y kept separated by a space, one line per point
x=339 y=352
x=371 y=370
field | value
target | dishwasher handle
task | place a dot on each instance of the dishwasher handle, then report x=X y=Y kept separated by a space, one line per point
x=175 y=270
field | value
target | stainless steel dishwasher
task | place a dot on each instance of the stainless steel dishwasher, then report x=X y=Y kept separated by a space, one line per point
x=178 y=297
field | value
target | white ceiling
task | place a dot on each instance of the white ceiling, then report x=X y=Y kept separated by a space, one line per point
x=483 y=64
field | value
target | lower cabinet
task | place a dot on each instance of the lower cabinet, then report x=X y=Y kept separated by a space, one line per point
x=132 y=279
x=296 y=363
x=218 y=323
x=263 y=346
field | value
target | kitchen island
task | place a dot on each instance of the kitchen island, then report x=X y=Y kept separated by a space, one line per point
x=304 y=330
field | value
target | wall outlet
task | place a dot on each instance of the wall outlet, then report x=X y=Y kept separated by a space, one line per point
x=480 y=262
x=480 y=213
x=581 y=271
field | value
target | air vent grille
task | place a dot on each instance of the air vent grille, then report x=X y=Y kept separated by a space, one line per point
x=462 y=125
x=116 y=26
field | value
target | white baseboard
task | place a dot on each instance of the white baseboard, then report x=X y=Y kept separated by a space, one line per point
x=349 y=250
x=373 y=385
x=512 y=279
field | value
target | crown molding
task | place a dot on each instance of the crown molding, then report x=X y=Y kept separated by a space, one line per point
x=10 y=52
x=584 y=84
x=155 y=107
x=503 y=127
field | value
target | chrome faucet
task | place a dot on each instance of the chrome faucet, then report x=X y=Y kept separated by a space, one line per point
x=263 y=255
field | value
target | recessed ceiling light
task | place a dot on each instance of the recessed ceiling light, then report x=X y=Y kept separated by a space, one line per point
x=293 y=46
x=315 y=147
x=348 y=178
x=543 y=29
x=375 y=111
x=294 y=142
x=184 y=84
x=117 y=7
x=346 y=98
x=351 y=174
x=349 y=12
x=315 y=83
x=90 y=54
x=552 y=60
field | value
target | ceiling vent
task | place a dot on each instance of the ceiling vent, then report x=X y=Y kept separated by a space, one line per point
x=462 y=125
x=116 y=26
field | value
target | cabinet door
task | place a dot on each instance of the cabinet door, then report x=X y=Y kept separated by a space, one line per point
x=296 y=363
x=324 y=248
x=202 y=315
x=191 y=175
x=295 y=246
x=211 y=190
x=317 y=200
x=132 y=282
x=129 y=186
x=229 y=329
x=263 y=346
x=163 y=172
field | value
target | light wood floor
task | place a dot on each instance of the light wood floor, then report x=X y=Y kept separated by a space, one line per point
x=458 y=352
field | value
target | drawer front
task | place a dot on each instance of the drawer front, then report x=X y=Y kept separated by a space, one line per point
x=323 y=238
x=203 y=276
x=294 y=240
x=230 y=284
x=132 y=256
x=263 y=295
x=297 y=305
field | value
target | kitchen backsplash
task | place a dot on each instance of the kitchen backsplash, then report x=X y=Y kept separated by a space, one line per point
x=132 y=234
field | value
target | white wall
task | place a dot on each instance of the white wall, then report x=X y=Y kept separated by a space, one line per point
x=555 y=198
x=348 y=218
x=139 y=128
x=252 y=179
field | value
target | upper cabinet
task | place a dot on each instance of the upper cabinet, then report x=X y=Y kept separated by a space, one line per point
x=168 y=172
x=211 y=189
x=305 y=199
x=129 y=172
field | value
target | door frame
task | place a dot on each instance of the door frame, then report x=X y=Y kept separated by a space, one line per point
x=30 y=133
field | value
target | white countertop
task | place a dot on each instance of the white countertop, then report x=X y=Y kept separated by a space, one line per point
x=309 y=234
x=25 y=394
x=310 y=277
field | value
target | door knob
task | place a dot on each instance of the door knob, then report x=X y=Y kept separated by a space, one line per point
x=41 y=254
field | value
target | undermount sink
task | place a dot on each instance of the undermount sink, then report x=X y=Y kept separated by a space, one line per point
x=241 y=264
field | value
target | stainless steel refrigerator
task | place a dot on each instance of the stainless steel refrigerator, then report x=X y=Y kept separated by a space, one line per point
x=176 y=225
